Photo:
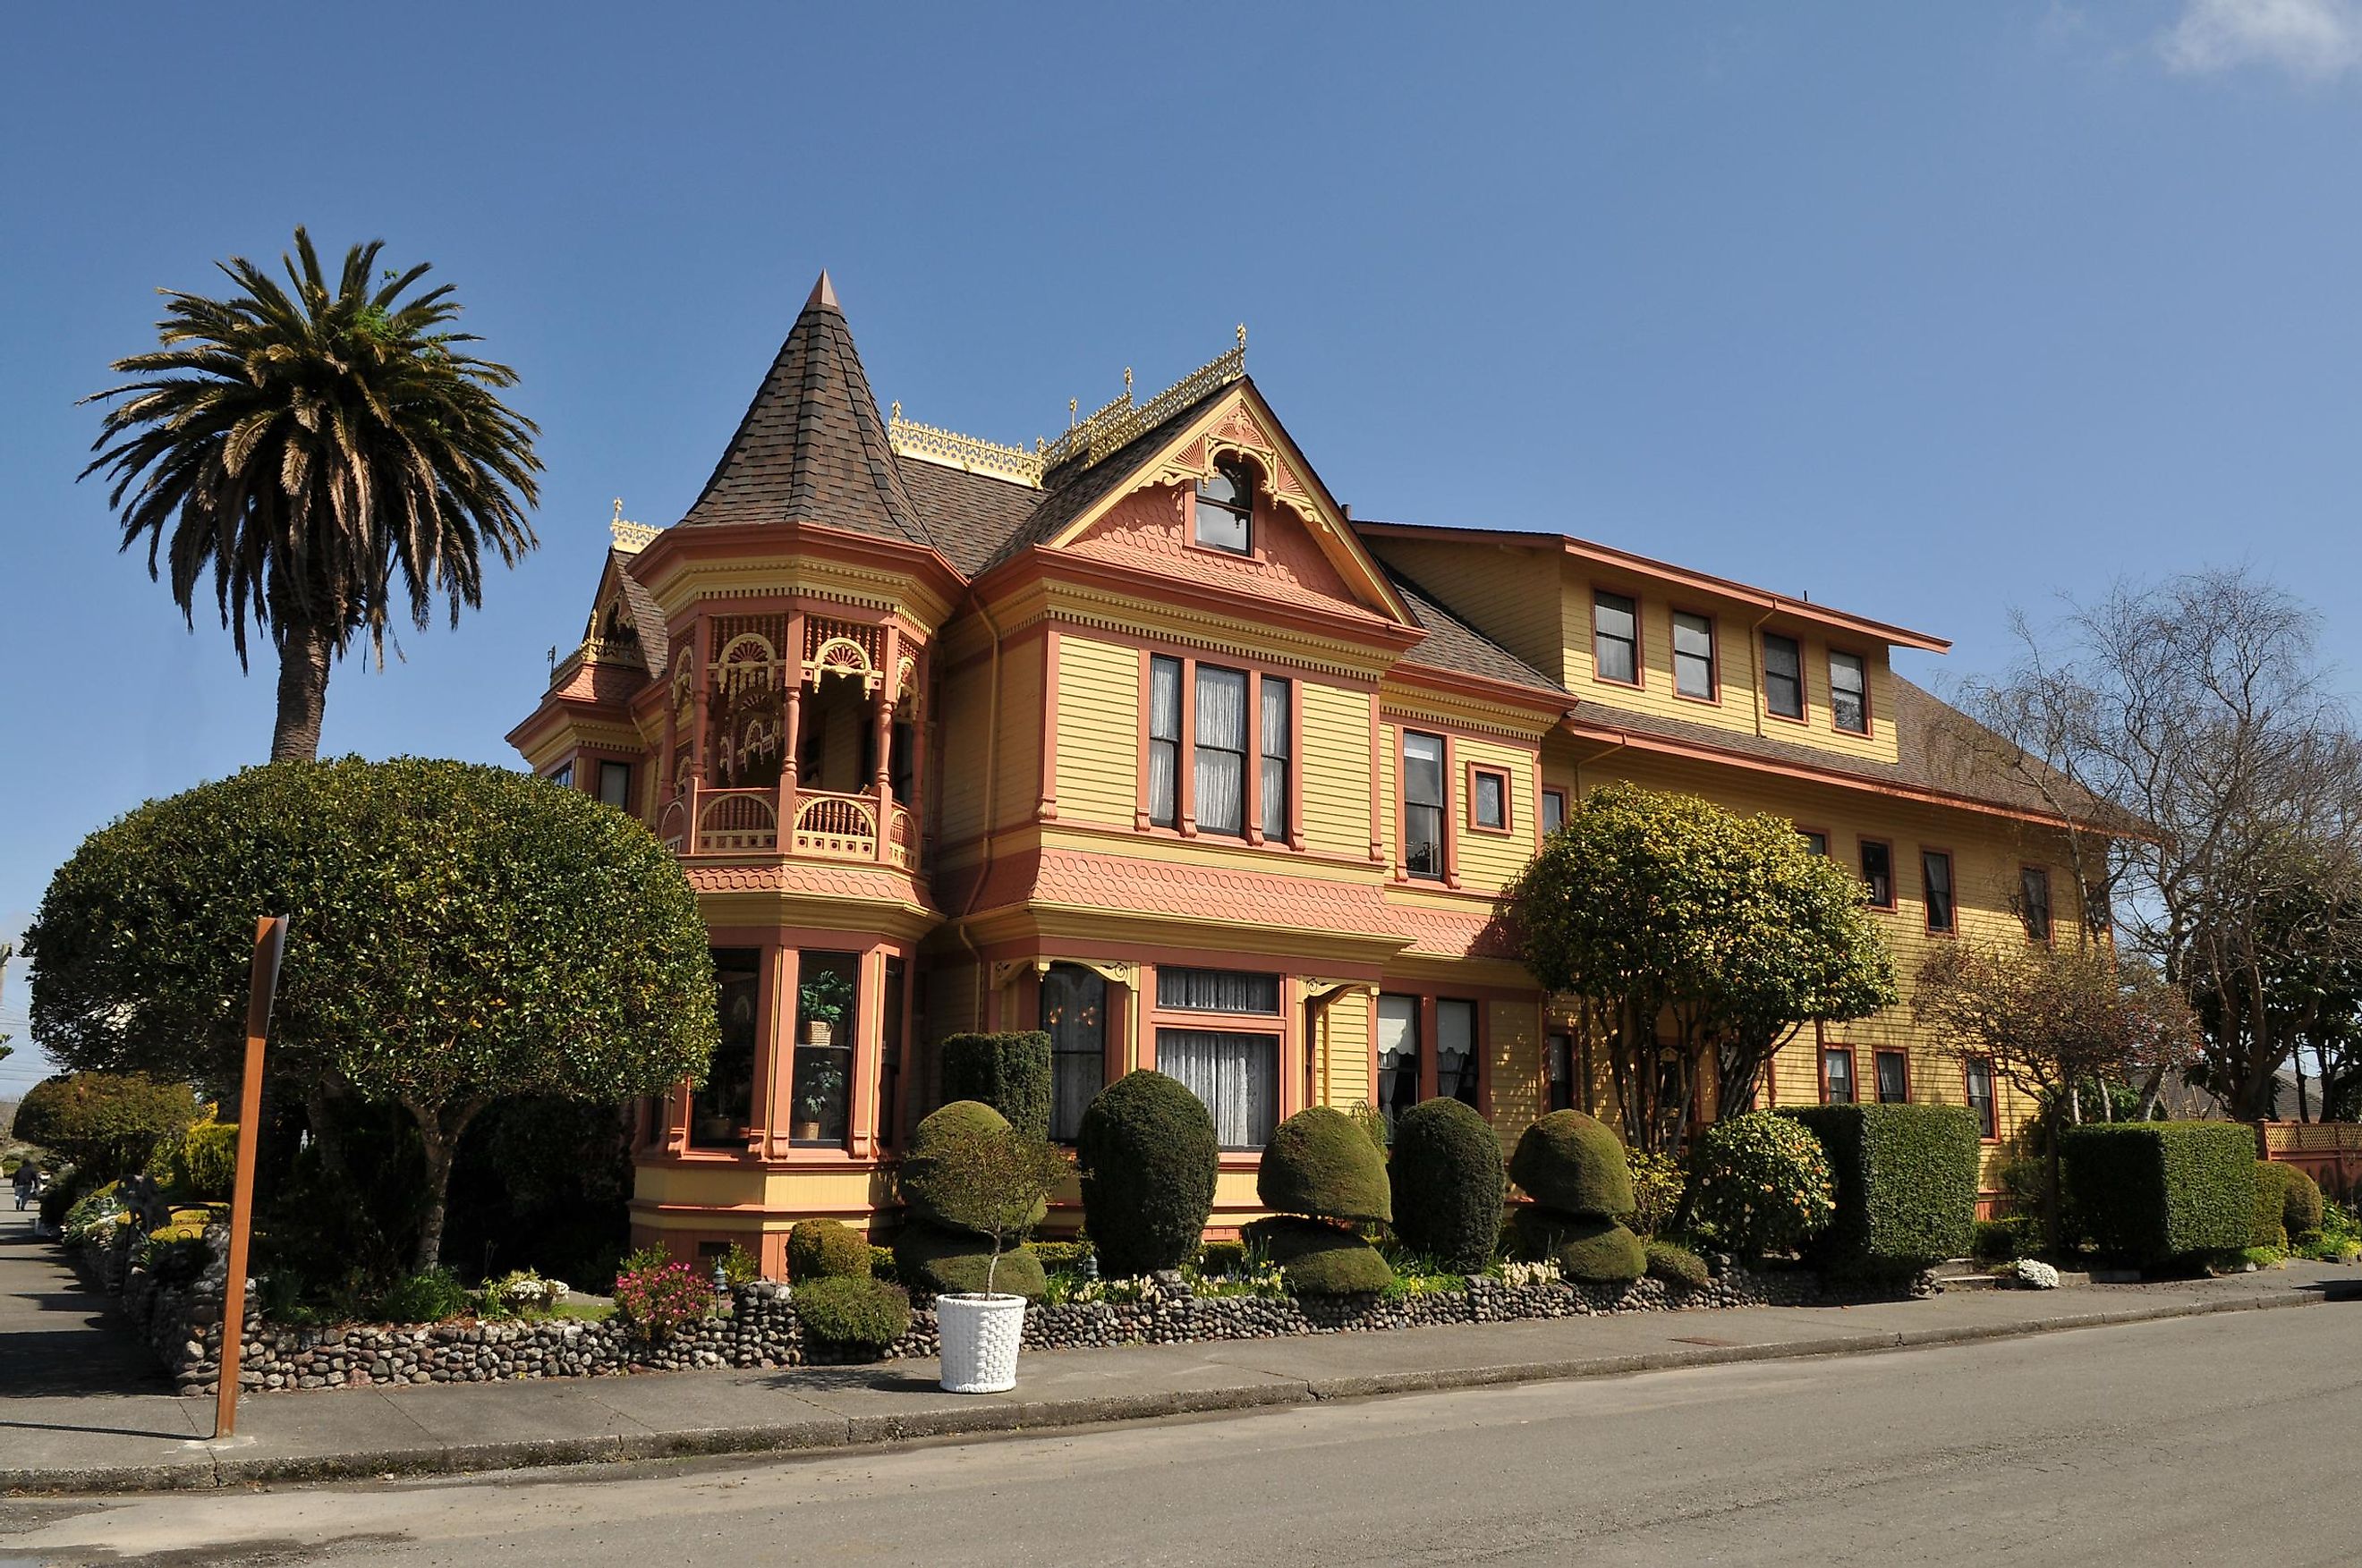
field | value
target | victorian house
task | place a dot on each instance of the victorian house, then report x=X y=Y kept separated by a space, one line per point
x=1138 y=738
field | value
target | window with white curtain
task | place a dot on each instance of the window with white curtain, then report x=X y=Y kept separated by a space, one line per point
x=1165 y=741
x=1236 y=1075
x=1278 y=695
x=1398 y=1057
x=1220 y=759
x=1455 y=1051
x=1216 y=990
x=1075 y=1016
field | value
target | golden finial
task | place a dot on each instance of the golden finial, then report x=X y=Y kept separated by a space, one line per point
x=1242 y=337
x=619 y=508
x=1073 y=404
x=897 y=411
x=1040 y=445
x=1127 y=380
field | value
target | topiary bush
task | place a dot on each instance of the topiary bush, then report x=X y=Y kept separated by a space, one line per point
x=1321 y=1164
x=1677 y=1267
x=1318 y=1258
x=1906 y=1180
x=933 y=1181
x=1011 y=1073
x=2296 y=1195
x=943 y=1261
x=826 y=1249
x=1148 y=1155
x=1588 y=1248
x=2150 y=1191
x=852 y=1312
x=108 y=1125
x=1574 y=1163
x=1447 y=1182
x=204 y=1162
x=1763 y=1183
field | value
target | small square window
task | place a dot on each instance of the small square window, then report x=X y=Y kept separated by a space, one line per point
x=1491 y=800
x=1815 y=841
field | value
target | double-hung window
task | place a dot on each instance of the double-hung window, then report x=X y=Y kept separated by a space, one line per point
x=1075 y=1016
x=1455 y=1051
x=1878 y=871
x=1981 y=1096
x=1935 y=877
x=1615 y=638
x=2034 y=899
x=1220 y=753
x=615 y=786
x=1398 y=1057
x=1423 y=815
x=1234 y=1071
x=1893 y=1079
x=1837 y=1075
x=1694 y=672
x=1277 y=697
x=1783 y=676
x=1165 y=741
x=1848 y=693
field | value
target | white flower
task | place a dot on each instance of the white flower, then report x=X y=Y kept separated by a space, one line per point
x=2036 y=1274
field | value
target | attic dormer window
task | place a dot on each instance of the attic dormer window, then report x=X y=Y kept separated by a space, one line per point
x=1226 y=509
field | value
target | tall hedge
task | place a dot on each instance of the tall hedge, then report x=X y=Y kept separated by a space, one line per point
x=1448 y=1183
x=1148 y=1155
x=2155 y=1191
x=1906 y=1184
x=1009 y=1072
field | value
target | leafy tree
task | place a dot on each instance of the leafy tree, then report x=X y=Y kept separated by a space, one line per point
x=1650 y=905
x=320 y=452
x=2049 y=1017
x=108 y=1124
x=459 y=934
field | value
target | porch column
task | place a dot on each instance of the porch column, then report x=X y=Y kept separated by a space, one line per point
x=763 y=1102
x=882 y=721
x=791 y=728
x=868 y=1040
x=778 y=1091
x=698 y=656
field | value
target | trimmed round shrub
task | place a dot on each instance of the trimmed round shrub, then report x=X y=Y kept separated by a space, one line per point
x=204 y=1162
x=1677 y=1267
x=1763 y=1182
x=1148 y=1155
x=826 y=1249
x=1574 y=1163
x=2297 y=1194
x=955 y=1263
x=1447 y=1181
x=108 y=1125
x=929 y=1190
x=1320 y=1163
x=1318 y=1258
x=852 y=1312
x=1587 y=1249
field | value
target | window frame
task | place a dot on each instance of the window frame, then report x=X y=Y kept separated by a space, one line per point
x=1551 y=794
x=1238 y=471
x=1713 y=697
x=608 y=767
x=1421 y=1068
x=1852 y=1075
x=1861 y=662
x=1260 y=695
x=1107 y=1008
x=1476 y=824
x=1157 y=1017
x=1176 y=740
x=1989 y=1119
x=1809 y=834
x=1803 y=714
x=1250 y=725
x=1863 y=844
x=1442 y=808
x=1476 y=1081
x=1878 y=1086
x=1253 y=806
x=1639 y=680
x=562 y=775
x=1951 y=927
x=2049 y=932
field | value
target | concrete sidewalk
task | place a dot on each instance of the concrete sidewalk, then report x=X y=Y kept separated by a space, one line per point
x=108 y=1434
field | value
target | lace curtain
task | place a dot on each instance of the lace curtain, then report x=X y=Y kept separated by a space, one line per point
x=1397 y=1056
x=1221 y=749
x=1236 y=1077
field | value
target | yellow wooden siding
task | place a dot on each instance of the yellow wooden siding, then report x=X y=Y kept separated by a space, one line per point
x=1517 y=1067
x=1500 y=591
x=1389 y=809
x=1488 y=862
x=1336 y=764
x=960 y=742
x=1099 y=732
x=1340 y=1068
x=1019 y=764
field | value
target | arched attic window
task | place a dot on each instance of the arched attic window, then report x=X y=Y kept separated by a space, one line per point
x=1225 y=510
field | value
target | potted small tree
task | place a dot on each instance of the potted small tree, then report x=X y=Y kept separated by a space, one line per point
x=817 y=1088
x=823 y=1000
x=999 y=1181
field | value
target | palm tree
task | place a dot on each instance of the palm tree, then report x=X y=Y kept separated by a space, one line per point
x=316 y=450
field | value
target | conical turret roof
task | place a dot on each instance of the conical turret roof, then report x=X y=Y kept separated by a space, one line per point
x=812 y=448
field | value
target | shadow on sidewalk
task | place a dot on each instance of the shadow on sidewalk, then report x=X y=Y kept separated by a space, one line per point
x=55 y=1335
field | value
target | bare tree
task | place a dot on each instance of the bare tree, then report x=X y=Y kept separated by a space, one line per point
x=2191 y=738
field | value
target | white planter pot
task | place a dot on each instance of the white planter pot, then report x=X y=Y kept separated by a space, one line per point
x=980 y=1336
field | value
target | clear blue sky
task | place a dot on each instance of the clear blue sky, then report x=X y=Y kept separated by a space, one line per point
x=1929 y=311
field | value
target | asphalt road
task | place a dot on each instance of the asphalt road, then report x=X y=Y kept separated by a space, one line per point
x=2223 y=1441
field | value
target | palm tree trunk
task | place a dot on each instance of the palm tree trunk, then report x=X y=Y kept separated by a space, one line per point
x=305 y=649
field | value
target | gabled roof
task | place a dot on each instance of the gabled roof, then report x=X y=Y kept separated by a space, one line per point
x=812 y=447
x=1453 y=645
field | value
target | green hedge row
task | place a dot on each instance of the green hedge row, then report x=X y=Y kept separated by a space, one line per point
x=1009 y=1072
x=2155 y=1191
x=1906 y=1184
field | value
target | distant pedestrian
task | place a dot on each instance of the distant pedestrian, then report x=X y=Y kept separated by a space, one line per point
x=24 y=1179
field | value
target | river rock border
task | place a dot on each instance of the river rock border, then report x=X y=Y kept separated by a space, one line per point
x=182 y=1324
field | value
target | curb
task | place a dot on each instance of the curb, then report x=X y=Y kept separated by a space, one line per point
x=840 y=1434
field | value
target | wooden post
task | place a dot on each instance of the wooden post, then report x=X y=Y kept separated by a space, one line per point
x=270 y=946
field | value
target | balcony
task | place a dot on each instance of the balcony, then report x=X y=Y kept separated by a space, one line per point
x=824 y=825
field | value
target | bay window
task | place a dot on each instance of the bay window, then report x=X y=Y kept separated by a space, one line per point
x=720 y=1107
x=1165 y=741
x=1279 y=726
x=826 y=1024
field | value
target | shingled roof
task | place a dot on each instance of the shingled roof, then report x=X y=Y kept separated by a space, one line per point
x=812 y=448
x=1452 y=644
